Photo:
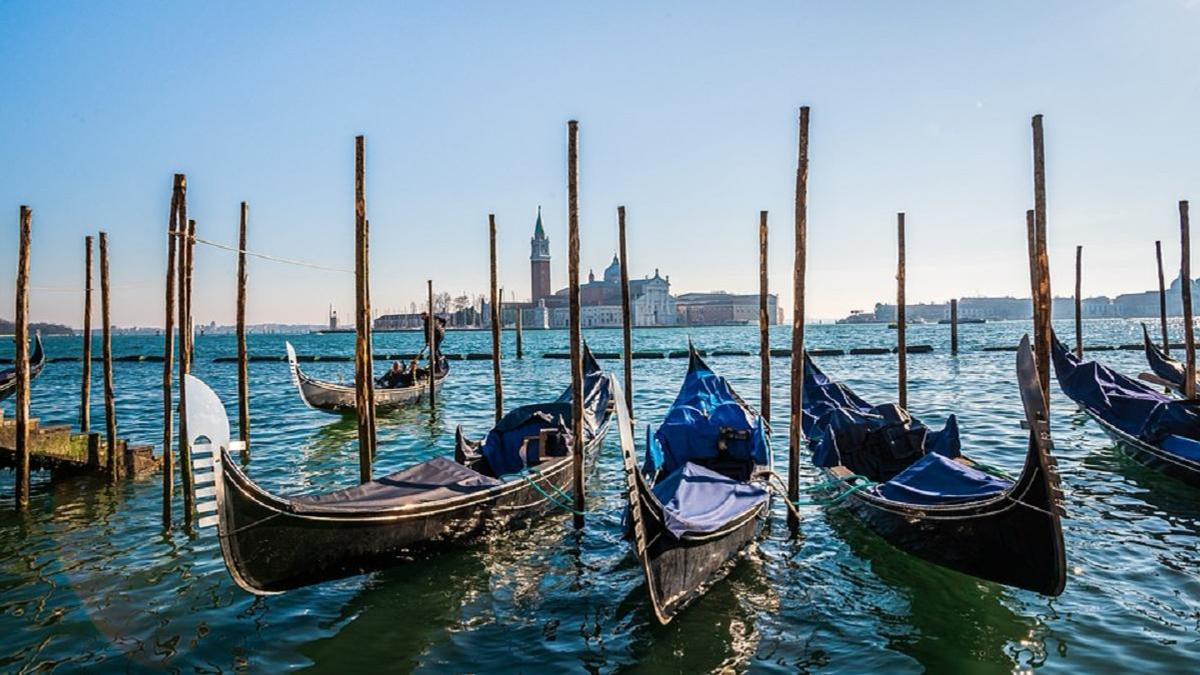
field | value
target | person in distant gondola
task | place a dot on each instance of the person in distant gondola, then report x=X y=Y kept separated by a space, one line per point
x=439 y=334
x=393 y=378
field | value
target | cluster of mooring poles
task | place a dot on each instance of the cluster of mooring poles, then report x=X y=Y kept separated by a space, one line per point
x=106 y=458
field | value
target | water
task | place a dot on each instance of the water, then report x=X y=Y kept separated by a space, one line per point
x=88 y=579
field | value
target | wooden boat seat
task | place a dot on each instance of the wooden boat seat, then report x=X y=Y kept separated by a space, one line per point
x=430 y=481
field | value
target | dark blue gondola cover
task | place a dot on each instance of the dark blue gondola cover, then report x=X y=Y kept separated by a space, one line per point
x=697 y=500
x=838 y=423
x=1129 y=405
x=835 y=419
x=502 y=447
x=933 y=479
x=705 y=412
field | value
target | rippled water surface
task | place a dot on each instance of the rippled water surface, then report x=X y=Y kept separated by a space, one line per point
x=88 y=578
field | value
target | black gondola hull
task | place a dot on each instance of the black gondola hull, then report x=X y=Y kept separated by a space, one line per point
x=1149 y=456
x=37 y=361
x=270 y=550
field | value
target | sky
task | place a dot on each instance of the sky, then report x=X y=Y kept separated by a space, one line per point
x=687 y=114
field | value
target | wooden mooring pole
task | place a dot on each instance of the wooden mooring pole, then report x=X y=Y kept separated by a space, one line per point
x=626 y=313
x=168 y=458
x=431 y=337
x=364 y=400
x=764 y=322
x=85 y=387
x=21 y=361
x=185 y=356
x=497 y=382
x=901 y=317
x=576 y=331
x=243 y=365
x=110 y=408
x=1039 y=215
x=520 y=337
x=1079 y=301
x=1162 y=300
x=798 y=271
x=1185 y=276
x=954 y=326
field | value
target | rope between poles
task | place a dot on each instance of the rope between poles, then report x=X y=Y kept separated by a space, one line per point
x=263 y=256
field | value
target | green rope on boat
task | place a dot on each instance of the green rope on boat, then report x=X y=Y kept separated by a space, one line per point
x=838 y=499
x=549 y=497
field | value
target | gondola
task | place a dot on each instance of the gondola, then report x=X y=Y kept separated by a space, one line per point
x=1164 y=370
x=701 y=493
x=8 y=376
x=1151 y=427
x=912 y=485
x=272 y=544
x=339 y=399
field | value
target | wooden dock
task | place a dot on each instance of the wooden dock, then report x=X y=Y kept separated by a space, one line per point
x=57 y=449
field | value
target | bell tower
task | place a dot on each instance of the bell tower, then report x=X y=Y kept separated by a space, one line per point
x=539 y=262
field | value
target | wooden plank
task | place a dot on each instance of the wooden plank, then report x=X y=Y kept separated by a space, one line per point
x=1185 y=275
x=497 y=381
x=110 y=407
x=626 y=312
x=168 y=459
x=85 y=386
x=243 y=365
x=901 y=317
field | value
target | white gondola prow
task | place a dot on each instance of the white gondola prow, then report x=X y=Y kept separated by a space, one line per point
x=208 y=432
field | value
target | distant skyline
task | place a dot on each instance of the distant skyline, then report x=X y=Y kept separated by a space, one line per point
x=687 y=116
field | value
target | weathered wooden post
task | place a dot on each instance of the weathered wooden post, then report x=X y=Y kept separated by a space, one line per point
x=186 y=250
x=497 y=382
x=1079 y=301
x=243 y=359
x=168 y=458
x=85 y=387
x=431 y=338
x=1185 y=276
x=576 y=330
x=1039 y=215
x=520 y=337
x=901 y=316
x=364 y=400
x=21 y=360
x=110 y=408
x=764 y=322
x=1162 y=300
x=626 y=313
x=1031 y=242
x=798 y=271
x=954 y=326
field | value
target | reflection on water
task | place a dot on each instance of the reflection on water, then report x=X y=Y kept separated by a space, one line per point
x=88 y=578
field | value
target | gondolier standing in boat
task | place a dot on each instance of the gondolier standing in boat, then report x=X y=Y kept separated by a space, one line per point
x=439 y=333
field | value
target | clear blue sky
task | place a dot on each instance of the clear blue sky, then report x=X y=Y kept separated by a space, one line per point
x=688 y=118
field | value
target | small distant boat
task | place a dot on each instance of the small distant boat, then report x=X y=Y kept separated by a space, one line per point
x=8 y=376
x=1165 y=371
x=273 y=544
x=915 y=321
x=701 y=493
x=1151 y=427
x=339 y=399
x=913 y=487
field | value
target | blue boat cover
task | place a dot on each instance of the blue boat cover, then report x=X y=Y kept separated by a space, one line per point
x=502 y=447
x=705 y=414
x=912 y=463
x=1127 y=404
x=933 y=479
x=697 y=500
x=837 y=422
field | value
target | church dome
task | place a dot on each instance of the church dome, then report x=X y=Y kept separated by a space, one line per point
x=612 y=273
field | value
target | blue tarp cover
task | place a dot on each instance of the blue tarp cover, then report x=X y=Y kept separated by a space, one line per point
x=836 y=422
x=933 y=479
x=1127 y=404
x=705 y=405
x=697 y=500
x=502 y=446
